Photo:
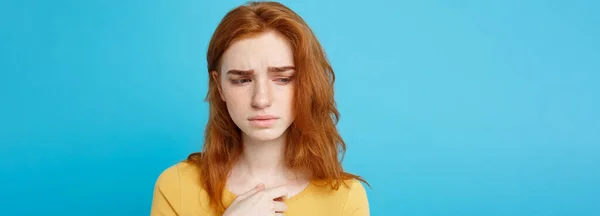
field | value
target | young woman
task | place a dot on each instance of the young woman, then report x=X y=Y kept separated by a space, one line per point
x=271 y=145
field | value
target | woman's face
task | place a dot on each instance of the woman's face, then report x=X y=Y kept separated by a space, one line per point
x=257 y=85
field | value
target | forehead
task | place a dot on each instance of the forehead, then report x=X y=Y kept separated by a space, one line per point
x=267 y=49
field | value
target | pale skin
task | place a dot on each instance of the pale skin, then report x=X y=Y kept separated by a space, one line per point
x=256 y=80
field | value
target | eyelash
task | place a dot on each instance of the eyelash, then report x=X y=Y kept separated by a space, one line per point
x=238 y=81
x=244 y=80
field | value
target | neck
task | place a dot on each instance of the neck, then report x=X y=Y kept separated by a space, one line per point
x=264 y=160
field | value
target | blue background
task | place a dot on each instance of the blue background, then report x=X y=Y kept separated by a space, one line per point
x=448 y=107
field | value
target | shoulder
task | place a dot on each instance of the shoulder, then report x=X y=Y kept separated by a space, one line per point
x=354 y=189
x=176 y=175
x=347 y=190
x=354 y=184
x=350 y=196
x=175 y=187
x=356 y=202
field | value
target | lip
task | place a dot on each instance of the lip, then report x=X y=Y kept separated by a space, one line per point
x=262 y=117
x=263 y=121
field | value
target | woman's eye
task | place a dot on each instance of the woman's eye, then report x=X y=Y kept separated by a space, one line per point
x=241 y=81
x=284 y=80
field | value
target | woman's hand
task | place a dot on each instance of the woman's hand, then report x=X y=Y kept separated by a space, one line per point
x=259 y=202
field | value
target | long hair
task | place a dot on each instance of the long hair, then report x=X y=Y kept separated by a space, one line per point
x=313 y=142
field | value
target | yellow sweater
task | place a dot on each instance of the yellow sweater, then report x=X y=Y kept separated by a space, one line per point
x=178 y=192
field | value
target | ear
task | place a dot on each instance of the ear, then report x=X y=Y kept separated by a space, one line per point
x=215 y=77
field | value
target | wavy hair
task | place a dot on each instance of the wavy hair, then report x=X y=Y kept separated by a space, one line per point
x=313 y=142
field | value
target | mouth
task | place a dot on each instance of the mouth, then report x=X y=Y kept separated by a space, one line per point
x=262 y=117
x=263 y=121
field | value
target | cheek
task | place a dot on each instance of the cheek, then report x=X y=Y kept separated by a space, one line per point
x=289 y=93
x=285 y=96
x=235 y=100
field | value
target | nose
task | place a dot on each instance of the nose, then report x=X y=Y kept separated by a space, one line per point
x=261 y=97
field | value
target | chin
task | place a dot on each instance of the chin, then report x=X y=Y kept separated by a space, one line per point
x=265 y=134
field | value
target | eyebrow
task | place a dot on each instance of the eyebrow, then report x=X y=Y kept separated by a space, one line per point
x=270 y=69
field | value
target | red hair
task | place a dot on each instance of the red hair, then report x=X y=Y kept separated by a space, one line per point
x=313 y=142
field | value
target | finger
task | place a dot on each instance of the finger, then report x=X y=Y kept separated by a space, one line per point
x=276 y=192
x=279 y=206
x=251 y=192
